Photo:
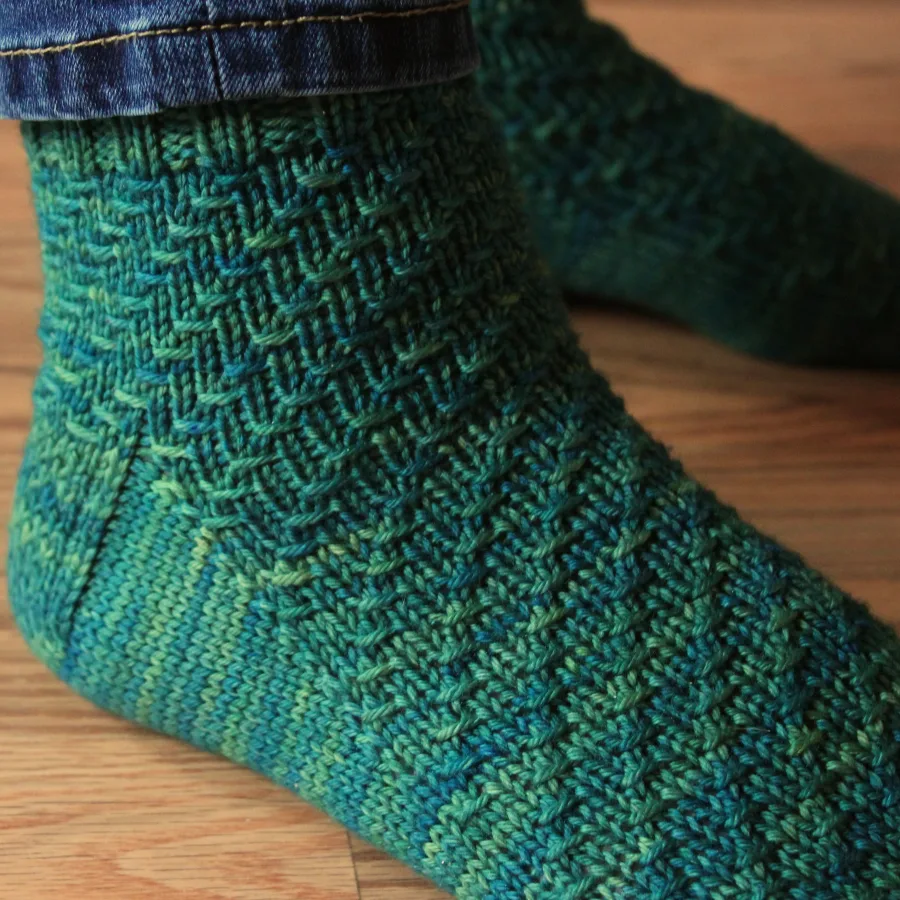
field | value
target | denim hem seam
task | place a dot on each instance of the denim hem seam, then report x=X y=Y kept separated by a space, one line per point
x=362 y=16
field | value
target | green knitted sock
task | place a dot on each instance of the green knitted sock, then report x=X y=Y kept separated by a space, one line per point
x=646 y=191
x=319 y=480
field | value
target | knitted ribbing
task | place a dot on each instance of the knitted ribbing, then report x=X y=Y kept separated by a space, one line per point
x=320 y=481
x=645 y=191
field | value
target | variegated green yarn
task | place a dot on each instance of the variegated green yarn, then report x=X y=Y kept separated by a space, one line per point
x=319 y=480
x=645 y=191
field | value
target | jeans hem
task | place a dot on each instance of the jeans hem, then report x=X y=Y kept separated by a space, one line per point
x=149 y=70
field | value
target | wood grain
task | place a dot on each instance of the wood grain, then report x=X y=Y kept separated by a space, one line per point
x=93 y=807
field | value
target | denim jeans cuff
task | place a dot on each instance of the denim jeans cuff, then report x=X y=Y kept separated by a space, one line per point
x=112 y=58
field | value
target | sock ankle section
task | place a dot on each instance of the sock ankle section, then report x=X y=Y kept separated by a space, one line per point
x=214 y=273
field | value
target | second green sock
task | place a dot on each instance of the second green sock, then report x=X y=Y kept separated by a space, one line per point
x=646 y=191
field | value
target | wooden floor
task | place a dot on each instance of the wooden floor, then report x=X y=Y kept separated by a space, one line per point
x=92 y=807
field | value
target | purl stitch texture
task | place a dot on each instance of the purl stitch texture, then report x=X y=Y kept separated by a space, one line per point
x=320 y=481
x=645 y=191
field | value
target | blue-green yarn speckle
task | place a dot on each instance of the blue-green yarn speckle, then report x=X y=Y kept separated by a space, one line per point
x=319 y=480
x=645 y=191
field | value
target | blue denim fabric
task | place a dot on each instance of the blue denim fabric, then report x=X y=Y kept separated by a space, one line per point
x=81 y=59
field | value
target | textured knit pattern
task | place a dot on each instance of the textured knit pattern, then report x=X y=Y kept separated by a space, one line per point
x=642 y=190
x=319 y=480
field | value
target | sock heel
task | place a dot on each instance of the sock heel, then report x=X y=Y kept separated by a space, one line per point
x=76 y=465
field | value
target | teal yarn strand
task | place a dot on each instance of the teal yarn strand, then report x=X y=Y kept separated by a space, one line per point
x=320 y=481
x=645 y=191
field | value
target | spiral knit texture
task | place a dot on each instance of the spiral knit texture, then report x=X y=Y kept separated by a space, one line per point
x=645 y=191
x=319 y=480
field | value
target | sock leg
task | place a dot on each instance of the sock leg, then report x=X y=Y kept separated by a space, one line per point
x=646 y=191
x=320 y=481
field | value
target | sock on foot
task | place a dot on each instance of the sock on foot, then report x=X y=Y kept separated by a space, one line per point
x=645 y=191
x=320 y=481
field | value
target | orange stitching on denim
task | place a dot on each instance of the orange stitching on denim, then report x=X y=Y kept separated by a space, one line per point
x=232 y=26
